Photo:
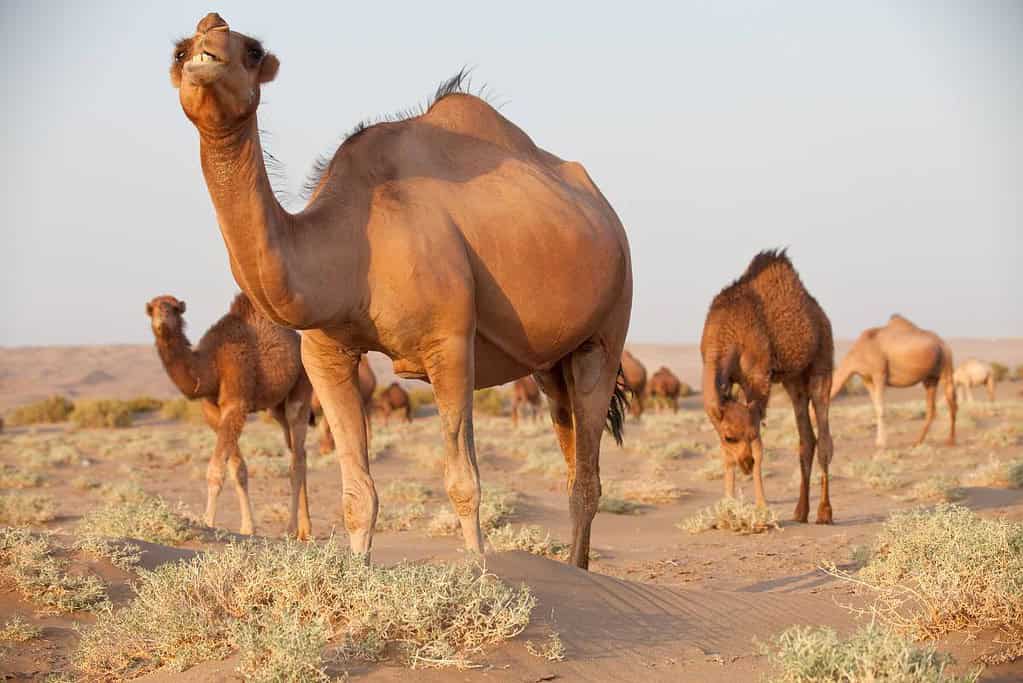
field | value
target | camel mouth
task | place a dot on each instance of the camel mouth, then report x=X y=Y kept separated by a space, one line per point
x=204 y=68
x=204 y=57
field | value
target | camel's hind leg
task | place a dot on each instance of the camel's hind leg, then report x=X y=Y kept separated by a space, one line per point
x=797 y=391
x=931 y=385
x=953 y=407
x=820 y=396
x=875 y=385
x=297 y=409
x=226 y=452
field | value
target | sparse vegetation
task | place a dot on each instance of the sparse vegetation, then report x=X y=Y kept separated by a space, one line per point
x=120 y=553
x=999 y=371
x=26 y=508
x=712 y=469
x=805 y=654
x=530 y=538
x=617 y=506
x=405 y=492
x=497 y=505
x=493 y=401
x=102 y=413
x=992 y=473
x=645 y=491
x=182 y=410
x=144 y=404
x=52 y=409
x=552 y=649
x=1015 y=474
x=17 y=630
x=732 y=514
x=29 y=561
x=877 y=473
x=14 y=477
x=399 y=517
x=935 y=489
x=549 y=463
x=147 y=519
x=280 y=603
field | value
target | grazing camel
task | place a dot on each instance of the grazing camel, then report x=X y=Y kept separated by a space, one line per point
x=367 y=386
x=763 y=328
x=525 y=392
x=635 y=380
x=900 y=354
x=473 y=261
x=394 y=399
x=974 y=373
x=665 y=385
x=243 y=364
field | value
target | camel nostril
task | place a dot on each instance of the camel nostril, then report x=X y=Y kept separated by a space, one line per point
x=211 y=21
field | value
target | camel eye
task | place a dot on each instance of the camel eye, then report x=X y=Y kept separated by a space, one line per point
x=731 y=439
x=179 y=55
x=255 y=53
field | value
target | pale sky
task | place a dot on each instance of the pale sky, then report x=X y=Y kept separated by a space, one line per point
x=881 y=142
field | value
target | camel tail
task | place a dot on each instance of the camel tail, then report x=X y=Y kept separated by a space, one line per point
x=618 y=407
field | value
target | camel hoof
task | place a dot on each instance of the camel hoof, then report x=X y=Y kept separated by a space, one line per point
x=801 y=516
x=824 y=516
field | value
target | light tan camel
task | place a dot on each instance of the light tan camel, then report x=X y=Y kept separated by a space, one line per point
x=449 y=242
x=367 y=387
x=525 y=392
x=763 y=328
x=974 y=373
x=243 y=364
x=900 y=354
x=665 y=386
x=394 y=399
x=635 y=379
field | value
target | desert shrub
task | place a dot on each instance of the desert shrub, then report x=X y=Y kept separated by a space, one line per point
x=491 y=401
x=877 y=473
x=399 y=517
x=120 y=553
x=992 y=473
x=549 y=463
x=122 y=492
x=27 y=508
x=14 y=477
x=805 y=654
x=42 y=578
x=280 y=603
x=101 y=413
x=1014 y=474
x=617 y=506
x=182 y=410
x=732 y=514
x=497 y=505
x=712 y=469
x=52 y=409
x=552 y=649
x=935 y=489
x=530 y=538
x=938 y=571
x=999 y=372
x=17 y=630
x=405 y=491
x=418 y=398
x=147 y=519
x=144 y=404
x=644 y=491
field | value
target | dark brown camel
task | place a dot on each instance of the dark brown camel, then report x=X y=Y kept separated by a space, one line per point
x=763 y=328
x=635 y=381
x=243 y=364
x=394 y=399
x=367 y=385
x=525 y=392
x=666 y=386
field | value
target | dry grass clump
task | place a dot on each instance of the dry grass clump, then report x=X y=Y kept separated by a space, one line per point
x=552 y=649
x=280 y=604
x=182 y=410
x=935 y=572
x=712 y=469
x=992 y=473
x=144 y=404
x=732 y=514
x=549 y=463
x=1014 y=474
x=497 y=505
x=147 y=519
x=41 y=577
x=673 y=450
x=617 y=506
x=52 y=409
x=807 y=654
x=406 y=491
x=530 y=538
x=938 y=488
x=1004 y=436
x=268 y=466
x=493 y=401
x=121 y=554
x=399 y=517
x=27 y=508
x=101 y=413
x=14 y=477
x=17 y=630
x=121 y=492
x=645 y=491
x=877 y=473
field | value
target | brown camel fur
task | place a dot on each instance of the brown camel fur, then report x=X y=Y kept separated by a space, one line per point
x=635 y=380
x=974 y=373
x=367 y=386
x=666 y=386
x=525 y=392
x=763 y=328
x=449 y=242
x=900 y=354
x=243 y=364
x=394 y=399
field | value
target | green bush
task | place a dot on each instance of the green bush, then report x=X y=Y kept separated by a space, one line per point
x=102 y=413
x=491 y=401
x=999 y=371
x=52 y=409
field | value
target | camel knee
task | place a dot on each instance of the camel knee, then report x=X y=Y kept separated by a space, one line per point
x=584 y=496
x=464 y=493
x=359 y=502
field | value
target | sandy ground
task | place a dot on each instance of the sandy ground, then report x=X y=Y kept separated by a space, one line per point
x=659 y=604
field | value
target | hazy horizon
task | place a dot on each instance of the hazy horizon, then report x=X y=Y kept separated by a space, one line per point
x=883 y=144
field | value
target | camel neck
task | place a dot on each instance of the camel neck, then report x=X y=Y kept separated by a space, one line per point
x=182 y=364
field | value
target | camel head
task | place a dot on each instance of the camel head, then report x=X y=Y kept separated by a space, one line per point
x=165 y=313
x=218 y=73
x=738 y=426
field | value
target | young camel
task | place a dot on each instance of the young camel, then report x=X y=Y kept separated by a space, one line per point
x=394 y=399
x=665 y=385
x=900 y=354
x=411 y=255
x=974 y=373
x=367 y=386
x=525 y=392
x=635 y=381
x=243 y=364
x=763 y=328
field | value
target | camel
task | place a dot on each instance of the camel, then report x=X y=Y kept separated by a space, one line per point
x=635 y=381
x=974 y=373
x=900 y=354
x=665 y=385
x=765 y=328
x=525 y=392
x=394 y=399
x=475 y=260
x=243 y=364
x=367 y=386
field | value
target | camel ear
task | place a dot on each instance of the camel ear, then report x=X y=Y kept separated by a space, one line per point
x=181 y=306
x=268 y=68
x=149 y=308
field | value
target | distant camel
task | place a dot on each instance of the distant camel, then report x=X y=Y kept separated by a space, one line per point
x=635 y=381
x=763 y=328
x=974 y=373
x=367 y=385
x=900 y=354
x=665 y=385
x=394 y=399
x=525 y=392
x=243 y=364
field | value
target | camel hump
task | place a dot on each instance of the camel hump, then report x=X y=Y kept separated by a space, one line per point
x=468 y=115
x=769 y=258
x=242 y=307
x=899 y=321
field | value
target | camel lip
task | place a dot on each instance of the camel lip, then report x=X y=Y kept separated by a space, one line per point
x=204 y=72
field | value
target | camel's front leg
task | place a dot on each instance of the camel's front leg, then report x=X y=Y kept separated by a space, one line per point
x=334 y=376
x=729 y=466
x=226 y=452
x=876 y=387
x=757 y=447
x=450 y=367
x=297 y=410
x=932 y=391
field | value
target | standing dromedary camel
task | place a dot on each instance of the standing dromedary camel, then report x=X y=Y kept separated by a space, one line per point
x=243 y=364
x=394 y=399
x=525 y=392
x=367 y=386
x=449 y=242
x=665 y=385
x=635 y=380
x=900 y=354
x=974 y=373
x=763 y=328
